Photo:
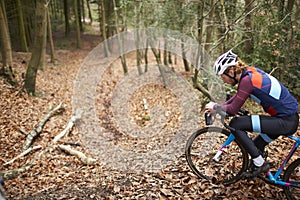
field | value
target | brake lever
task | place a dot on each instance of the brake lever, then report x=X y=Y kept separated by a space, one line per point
x=243 y=112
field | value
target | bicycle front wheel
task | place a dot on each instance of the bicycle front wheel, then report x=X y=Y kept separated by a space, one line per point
x=292 y=176
x=202 y=148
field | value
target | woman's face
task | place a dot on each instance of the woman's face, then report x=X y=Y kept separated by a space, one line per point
x=226 y=79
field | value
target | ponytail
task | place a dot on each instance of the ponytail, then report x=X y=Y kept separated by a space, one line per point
x=240 y=66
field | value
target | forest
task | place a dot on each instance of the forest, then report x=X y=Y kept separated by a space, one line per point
x=89 y=110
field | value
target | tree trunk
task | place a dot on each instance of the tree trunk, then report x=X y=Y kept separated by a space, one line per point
x=78 y=41
x=3 y=10
x=183 y=53
x=44 y=38
x=103 y=27
x=22 y=34
x=49 y=29
x=89 y=11
x=123 y=59
x=82 y=11
x=67 y=17
x=248 y=48
x=79 y=16
x=5 y=45
x=210 y=28
x=200 y=18
x=138 y=9
x=29 y=19
x=37 y=52
x=281 y=11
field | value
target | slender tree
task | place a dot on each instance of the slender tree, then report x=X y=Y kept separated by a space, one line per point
x=67 y=17
x=138 y=9
x=183 y=51
x=210 y=28
x=77 y=21
x=22 y=34
x=6 y=50
x=123 y=59
x=50 y=39
x=248 y=48
x=89 y=12
x=38 y=48
x=103 y=26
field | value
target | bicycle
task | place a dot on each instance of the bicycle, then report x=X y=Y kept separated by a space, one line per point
x=213 y=153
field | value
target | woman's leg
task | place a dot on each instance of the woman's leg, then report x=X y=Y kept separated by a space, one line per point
x=270 y=128
x=242 y=124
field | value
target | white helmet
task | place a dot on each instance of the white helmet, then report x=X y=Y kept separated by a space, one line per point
x=226 y=60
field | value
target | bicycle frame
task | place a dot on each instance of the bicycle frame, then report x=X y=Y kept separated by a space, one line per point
x=273 y=179
x=217 y=157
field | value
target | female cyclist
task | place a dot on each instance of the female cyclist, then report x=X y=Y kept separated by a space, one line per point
x=275 y=99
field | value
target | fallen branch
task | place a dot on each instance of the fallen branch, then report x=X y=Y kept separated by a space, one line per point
x=68 y=128
x=60 y=135
x=86 y=160
x=36 y=132
x=24 y=153
x=12 y=173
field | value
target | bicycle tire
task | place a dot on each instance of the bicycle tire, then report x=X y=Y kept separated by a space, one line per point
x=292 y=173
x=203 y=144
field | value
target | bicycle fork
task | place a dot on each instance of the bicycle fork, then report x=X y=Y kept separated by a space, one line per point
x=217 y=156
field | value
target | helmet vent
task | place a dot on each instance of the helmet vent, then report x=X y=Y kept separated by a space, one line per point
x=224 y=61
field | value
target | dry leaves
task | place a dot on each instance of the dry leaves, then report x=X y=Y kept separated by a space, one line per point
x=60 y=176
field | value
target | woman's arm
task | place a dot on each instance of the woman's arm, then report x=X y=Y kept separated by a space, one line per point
x=233 y=105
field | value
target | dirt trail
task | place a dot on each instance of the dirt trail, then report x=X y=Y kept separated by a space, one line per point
x=60 y=176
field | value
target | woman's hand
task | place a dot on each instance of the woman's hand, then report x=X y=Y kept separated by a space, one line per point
x=210 y=108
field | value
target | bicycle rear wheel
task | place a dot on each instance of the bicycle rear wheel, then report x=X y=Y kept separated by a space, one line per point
x=292 y=175
x=203 y=145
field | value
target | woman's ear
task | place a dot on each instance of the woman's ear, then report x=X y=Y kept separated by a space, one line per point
x=231 y=71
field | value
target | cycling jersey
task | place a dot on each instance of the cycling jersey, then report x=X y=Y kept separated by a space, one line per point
x=264 y=89
x=270 y=93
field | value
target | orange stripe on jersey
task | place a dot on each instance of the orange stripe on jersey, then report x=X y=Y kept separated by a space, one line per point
x=256 y=77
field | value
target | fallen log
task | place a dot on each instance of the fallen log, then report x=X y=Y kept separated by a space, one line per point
x=85 y=159
x=24 y=153
x=30 y=137
x=67 y=129
x=12 y=173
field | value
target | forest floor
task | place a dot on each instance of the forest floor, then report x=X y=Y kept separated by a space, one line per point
x=57 y=175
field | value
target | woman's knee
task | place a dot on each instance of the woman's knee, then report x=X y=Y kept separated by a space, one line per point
x=234 y=123
x=241 y=123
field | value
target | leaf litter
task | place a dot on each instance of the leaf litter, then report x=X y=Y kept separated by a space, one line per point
x=60 y=176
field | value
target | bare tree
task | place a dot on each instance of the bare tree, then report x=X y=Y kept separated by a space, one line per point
x=39 y=46
x=249 y=27
x=49 y=29
x=5 y=45
x=77 y=20
x=67 y=16
x=102 y=15
x=22 y=34
x=89 y=11
x=123 y=59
